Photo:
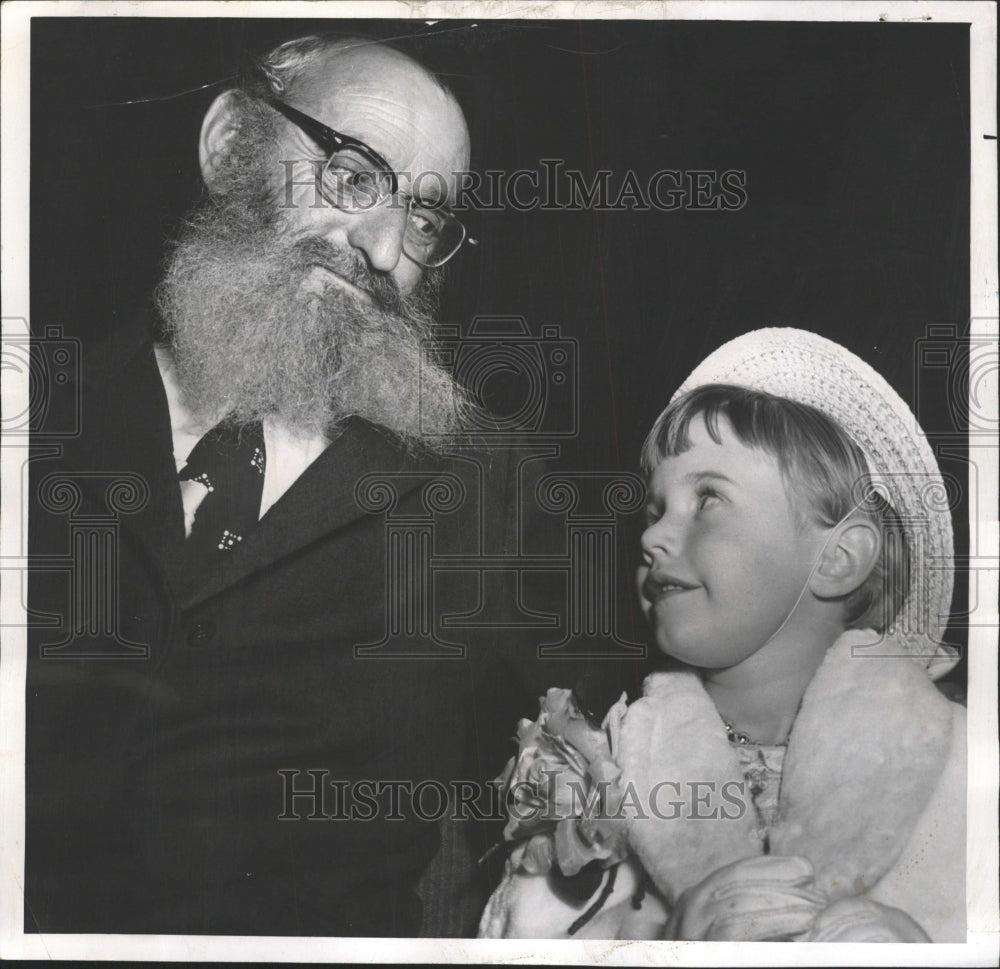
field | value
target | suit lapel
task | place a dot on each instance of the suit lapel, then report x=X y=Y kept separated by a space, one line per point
x=122 y=379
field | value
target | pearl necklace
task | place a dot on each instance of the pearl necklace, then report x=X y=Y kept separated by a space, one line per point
x=735 y=737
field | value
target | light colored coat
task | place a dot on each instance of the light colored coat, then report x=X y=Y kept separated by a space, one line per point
x=872 y=793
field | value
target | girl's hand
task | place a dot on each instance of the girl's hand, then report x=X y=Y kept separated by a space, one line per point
x=858 y=919
x=753 y=900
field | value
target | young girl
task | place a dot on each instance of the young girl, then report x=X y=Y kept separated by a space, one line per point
x=795 y=774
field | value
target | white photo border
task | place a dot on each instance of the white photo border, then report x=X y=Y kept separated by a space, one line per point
x=983 y=906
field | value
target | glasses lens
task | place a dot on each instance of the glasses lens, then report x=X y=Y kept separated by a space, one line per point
x=433 y=235
x=352 y=182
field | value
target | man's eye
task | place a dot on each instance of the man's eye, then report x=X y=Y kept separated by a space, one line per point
x=424 y=221
x=348 y=173
x=423 y=225
x=350 y=178
x=349 y=163
x=364 y=180
x=420 y=223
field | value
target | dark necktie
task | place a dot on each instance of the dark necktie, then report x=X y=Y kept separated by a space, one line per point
x=229 y=462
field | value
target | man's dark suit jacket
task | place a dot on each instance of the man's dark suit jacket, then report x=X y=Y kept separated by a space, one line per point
x=153 y=785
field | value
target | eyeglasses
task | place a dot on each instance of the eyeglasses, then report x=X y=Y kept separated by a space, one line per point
x=356 y=178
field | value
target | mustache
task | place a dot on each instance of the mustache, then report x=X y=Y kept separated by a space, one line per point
x=316 y=251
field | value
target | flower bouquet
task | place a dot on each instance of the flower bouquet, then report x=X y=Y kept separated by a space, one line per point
x=563 y=796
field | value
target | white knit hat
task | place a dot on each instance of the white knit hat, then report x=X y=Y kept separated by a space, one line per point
x=809 y=369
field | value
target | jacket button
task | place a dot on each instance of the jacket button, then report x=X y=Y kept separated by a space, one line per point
x=202 y=633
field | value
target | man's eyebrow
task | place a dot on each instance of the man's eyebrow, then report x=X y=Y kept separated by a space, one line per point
x=430 y=195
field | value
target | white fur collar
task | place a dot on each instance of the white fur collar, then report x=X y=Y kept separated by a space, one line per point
x=865 y=752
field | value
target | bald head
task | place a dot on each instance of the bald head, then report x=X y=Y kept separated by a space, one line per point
x=390 y=102
x=406 y=112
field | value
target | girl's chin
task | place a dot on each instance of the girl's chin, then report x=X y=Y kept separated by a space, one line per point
x=702 y=656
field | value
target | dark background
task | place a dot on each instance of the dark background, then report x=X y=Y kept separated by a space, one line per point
x=854 y=138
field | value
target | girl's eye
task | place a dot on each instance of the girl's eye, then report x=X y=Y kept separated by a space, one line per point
x=707 y=497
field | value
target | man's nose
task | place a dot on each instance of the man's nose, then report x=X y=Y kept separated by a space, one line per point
x=378 y=233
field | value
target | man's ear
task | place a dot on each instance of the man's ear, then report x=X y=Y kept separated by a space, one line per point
x=217 y=130
x=847 y=559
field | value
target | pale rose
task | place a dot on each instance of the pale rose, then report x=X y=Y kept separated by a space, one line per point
x=552 y=801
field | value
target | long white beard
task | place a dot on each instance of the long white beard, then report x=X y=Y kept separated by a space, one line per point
x=257 y=331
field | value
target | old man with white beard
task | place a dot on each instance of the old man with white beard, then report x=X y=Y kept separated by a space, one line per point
x=206 y=774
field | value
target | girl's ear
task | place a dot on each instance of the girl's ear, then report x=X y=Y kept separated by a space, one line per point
x=217 y=130
x=850 y=554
